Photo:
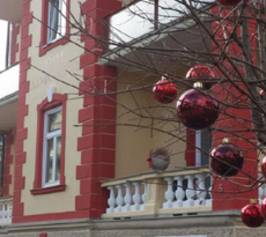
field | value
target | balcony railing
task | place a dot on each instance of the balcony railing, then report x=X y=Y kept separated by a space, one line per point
x=145 y=16
x=9 y=80
x=6 y=211
x=174 y=192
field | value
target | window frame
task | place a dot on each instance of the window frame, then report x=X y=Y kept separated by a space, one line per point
x=45 y=107
x=47 y=136
x=45 y=44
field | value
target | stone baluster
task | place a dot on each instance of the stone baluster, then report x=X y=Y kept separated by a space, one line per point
x=119 y=198
x=111 y=200
x=190 y=191
x=128 y=197
x=144 y=196
x=136 y=196
x=169 y=194
x=201 y=190
x=179 y=193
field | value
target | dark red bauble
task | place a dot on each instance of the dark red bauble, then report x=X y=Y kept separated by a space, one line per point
x=263 y=208
x=201 y=73
x=251 y=216
x=263 y=166
x=229 y=2
x=226 y=160
x=197 y=110
x=164 y=91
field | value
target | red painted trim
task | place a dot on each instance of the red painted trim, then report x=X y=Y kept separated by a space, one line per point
x=46 y=190
x=45 y=105
x=43 y=234
x=44 y=46
x=190 y=148
x=14 y=44
x=21 y=131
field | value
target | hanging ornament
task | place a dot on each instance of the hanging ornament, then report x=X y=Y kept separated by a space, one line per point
x=229 y=2
x=226 y=159
x=164 y=91
x=197 y=110
x=251 y=215
x=201 y=73
x=159 y=160
x=263 y=208
x=263 y=166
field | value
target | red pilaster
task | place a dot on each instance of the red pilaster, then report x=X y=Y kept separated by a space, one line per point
x=98 y=116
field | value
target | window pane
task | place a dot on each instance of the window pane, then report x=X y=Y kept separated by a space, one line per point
x=53 y=19
x=58 y=156
x=49 y=161
x=54 y=121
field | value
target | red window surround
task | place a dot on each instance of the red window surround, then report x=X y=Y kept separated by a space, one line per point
x=44 y=46
x=58 y=100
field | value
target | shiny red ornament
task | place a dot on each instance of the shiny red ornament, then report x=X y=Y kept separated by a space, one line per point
x=164 y=91
x=226 y=160
x=197 y=110
x=229 y=2
x=201 y=73
x=263 y=208
x=263 y=166
x=251 y=215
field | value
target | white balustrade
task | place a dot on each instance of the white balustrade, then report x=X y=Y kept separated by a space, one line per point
x=126 y=196
x=5 y=211
x=262 y=192
x=188 y=191
x=184 y=191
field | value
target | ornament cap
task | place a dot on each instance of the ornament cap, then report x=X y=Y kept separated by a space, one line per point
x=226 y=140
x=253 y=201
x=198 y=85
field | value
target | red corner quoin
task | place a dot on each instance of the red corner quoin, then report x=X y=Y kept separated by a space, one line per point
x=97 y=143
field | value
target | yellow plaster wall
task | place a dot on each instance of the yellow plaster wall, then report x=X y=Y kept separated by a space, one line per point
x=133 y=144
x=55 y=62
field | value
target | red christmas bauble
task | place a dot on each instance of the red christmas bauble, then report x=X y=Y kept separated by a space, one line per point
x=263 y=166
x=201 y=73
x=251 y=216
x=226 y=160
x=229 y=2
x=197 y=110
x=164 y=91
x=263 y=208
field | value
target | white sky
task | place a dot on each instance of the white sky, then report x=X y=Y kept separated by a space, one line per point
x=9 y=78
x=3 y=37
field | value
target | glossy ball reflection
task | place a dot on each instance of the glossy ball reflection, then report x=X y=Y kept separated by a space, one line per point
x=226 y=160
x=164 y=91
x=201 y=73
x=197 y=110
x=263 y=166
x=251 y=215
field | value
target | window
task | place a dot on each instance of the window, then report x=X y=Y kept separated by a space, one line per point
x=2 y=156
x=52 y=146
x=56 y=23
x=203 y=140
x=55 y=27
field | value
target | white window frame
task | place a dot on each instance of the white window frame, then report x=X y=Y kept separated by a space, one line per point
x=198 y=137
x=47 y=136
x=62 y=21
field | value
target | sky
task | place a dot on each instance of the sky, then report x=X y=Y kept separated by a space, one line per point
x=9 y=78
x=3 y=36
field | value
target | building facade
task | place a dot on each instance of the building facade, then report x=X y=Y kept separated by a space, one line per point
x=71 y=164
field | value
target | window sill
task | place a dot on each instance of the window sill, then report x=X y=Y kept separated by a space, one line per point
x=44 y=48
x=46 y=190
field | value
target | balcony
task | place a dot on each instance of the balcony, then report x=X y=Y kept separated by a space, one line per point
x=173 y=192
x=139 y=28
x=11 y=10
x=9 y=80
x=6 y=211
